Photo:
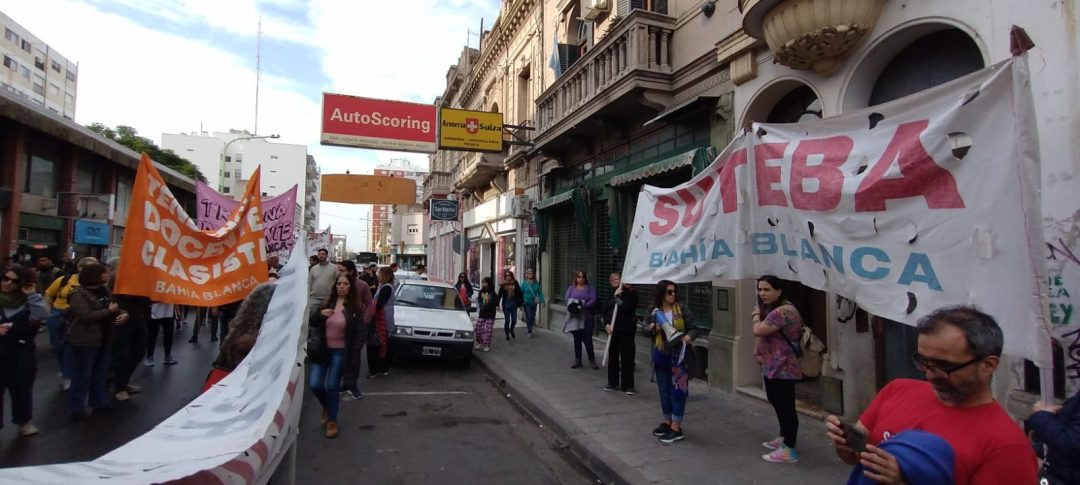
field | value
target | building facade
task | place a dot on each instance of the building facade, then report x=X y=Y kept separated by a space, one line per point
x=633 y=92
x=381 y=222
x=311 y=195
x=899 y=49
x=228 y=159
x=44 y=159
x=34 y=71
x=637 y=95
x=493 y=189
x=445 y=245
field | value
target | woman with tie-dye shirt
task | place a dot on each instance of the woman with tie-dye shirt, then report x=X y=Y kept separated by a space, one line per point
x=777 y=328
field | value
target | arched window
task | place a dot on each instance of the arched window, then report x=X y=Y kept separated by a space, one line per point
x=931 y=60
x=801 y=104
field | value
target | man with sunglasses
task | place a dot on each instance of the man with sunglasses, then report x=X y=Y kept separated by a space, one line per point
x=959 y=348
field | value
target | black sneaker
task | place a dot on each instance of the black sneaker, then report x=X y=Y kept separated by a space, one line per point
x=631 y=391
x=671 y=436
x=609 y=388
x=661 y=430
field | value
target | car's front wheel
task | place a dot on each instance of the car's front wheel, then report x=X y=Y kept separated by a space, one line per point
x=465 y=361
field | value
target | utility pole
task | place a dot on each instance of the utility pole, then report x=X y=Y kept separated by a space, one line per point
x=258 y=73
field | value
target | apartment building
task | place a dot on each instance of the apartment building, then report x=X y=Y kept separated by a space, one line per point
x=228 y=159
x=311 y=195
x=35 y=71
x=382 y=215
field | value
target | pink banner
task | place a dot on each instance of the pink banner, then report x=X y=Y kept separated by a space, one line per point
x=279 y=216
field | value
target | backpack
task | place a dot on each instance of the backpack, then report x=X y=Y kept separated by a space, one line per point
x=812 y=349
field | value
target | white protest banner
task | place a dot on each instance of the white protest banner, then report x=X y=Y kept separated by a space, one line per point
x=319 y=240
x=234 y=433
x=278 y=213
x=926 y=201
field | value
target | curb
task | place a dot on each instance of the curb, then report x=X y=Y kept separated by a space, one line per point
x=595 y=457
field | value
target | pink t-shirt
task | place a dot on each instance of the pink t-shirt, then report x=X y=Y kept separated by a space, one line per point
x=335 y=330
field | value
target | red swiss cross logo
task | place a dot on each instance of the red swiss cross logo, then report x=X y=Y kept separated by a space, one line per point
x=472 y=125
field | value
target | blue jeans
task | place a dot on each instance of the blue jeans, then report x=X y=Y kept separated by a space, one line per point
x=530 y=316
x=90 y=368
x=672 y=402
x=509 y=319
x=325 y=381
x=55 y=324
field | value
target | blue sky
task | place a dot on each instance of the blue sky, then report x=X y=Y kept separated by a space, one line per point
x=171 y=66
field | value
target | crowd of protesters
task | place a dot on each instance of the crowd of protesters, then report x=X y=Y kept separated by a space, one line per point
x=98 y=338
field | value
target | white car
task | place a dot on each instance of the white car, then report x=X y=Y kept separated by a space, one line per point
x=430 y=322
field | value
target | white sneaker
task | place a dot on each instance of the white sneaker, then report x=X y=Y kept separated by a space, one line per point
x=122 y=396
x=66 y=384
x=27 y=430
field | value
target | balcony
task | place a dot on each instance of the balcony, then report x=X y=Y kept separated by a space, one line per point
x=810 y=34
x=630 y=66
x=437 y=185
x=516 y=143
x=477 y=169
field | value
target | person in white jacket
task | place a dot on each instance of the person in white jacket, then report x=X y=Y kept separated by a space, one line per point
x=162 y=317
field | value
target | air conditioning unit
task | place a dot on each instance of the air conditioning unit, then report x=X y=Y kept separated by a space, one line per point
x=591 y=9
x=521 y=207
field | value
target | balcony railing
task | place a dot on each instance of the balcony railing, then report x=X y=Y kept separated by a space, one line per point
x=641 y=43
x=478 y=169
x=438 y=184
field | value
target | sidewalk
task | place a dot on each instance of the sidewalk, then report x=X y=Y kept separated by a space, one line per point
x=611 y=432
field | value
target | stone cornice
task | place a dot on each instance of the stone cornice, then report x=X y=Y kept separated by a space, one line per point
x=498 y=43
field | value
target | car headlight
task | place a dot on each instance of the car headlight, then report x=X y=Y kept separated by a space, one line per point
x=464 y=334
x=402 y=330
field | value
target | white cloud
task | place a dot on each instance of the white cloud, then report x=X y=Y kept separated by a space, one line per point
x=161 y=82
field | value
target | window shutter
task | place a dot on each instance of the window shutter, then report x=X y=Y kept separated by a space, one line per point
x=637 y=5
x=568 y=55
x=623 y=8
x=660 y=6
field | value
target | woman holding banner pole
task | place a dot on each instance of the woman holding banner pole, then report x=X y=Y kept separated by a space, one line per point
x=670 y=325
x=619 y=321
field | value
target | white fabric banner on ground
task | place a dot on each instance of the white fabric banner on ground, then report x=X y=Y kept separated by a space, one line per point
x=926 y=201
x=235 y=433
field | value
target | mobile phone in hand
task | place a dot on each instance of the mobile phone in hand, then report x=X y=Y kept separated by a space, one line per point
x=854 y=439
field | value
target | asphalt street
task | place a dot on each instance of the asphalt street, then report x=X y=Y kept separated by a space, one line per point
x=430 y=422
x=165 y=389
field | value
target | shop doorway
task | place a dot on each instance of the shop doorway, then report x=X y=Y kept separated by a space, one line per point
x=813 y=306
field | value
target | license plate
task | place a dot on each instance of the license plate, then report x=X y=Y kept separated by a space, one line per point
x=431 y=351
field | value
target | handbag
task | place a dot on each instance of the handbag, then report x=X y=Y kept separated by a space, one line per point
x=316 y=344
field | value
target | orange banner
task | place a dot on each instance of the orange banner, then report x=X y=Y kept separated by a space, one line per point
x=167 y=258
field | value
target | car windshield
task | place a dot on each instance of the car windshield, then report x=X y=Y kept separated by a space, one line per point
x=425 y=296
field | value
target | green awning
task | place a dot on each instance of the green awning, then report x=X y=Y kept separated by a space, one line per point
x=658 y=167
x=554 y=200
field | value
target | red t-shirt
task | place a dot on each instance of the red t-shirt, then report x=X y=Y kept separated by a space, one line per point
x=990 y=448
